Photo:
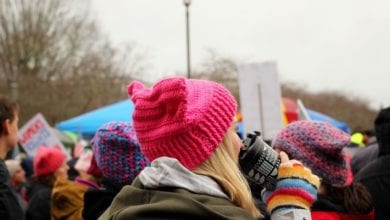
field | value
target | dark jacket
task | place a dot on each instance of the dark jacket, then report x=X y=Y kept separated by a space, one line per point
x=137 y=202
x=376 y=177
x=327 y=209
x=260 y=204
x=96 y=201
x=9 y=205
x=39 y=196
x=363 y=156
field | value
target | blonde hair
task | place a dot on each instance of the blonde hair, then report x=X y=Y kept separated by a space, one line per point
x=222 y=166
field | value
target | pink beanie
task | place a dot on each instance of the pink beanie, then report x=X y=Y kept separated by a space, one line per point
x=47 y=160
x=181 y=118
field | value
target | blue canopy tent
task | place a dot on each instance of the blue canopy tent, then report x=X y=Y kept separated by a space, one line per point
x=88 y=123
x=314 y=116
x=317 y=116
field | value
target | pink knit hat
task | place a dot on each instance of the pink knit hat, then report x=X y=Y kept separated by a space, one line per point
x=47 y=160
x=181 y=118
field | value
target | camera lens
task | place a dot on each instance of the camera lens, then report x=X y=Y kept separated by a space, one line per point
x=258 y=161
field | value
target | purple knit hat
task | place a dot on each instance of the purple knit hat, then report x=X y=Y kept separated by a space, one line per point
x=117 y=152
x=319 y=146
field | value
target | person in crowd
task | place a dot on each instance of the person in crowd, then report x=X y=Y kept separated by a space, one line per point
x=18 y=180
x=18 y=176
x=118 y=156
x=72 y=172
x=67 y=201
x=186 y=128
x=49 y=165
x=364 y=156
x=82 y=166
x=10 y=207
x=320 y=147
x=376 y=175
x=28 y=167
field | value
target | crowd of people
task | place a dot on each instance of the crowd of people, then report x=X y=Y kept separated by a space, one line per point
x=179 y=159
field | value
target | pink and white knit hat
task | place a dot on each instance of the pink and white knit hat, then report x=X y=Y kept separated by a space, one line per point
x=181 y=118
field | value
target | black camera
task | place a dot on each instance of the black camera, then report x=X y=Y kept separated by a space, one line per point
x=259 y=162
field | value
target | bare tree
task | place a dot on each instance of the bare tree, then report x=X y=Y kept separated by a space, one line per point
x=220 y=69
x=353 y=110
x=53 y=54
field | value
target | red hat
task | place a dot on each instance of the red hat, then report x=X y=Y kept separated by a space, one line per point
x=181 y=118
x=94 y=169
x=47 y=160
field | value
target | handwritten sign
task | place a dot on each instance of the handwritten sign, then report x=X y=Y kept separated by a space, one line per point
x=37 y=132
x=260 y=97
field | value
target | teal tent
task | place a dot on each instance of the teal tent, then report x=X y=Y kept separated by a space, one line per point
x=317 y=116
x=88 y=123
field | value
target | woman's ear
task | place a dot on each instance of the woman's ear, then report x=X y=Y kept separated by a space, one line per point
x=6 y=126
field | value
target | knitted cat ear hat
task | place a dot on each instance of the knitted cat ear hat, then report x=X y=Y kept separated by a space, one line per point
x=319 y=146
x=181 y=118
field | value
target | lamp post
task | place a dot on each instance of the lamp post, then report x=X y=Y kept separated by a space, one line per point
x=187 y=3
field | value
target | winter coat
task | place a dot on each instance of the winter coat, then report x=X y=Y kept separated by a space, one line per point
x=67 y=200
x=363 y=156
x=39 y=196
x=137 y=202
x=9 y=204
x=376 y=178
x=170 y=191
x=97 y=201
x=167 y=190
x=327 y=209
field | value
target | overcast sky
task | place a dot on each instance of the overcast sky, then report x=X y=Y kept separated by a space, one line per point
x=334 y=44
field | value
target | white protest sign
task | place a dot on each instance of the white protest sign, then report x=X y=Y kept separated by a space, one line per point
x=260 y=97
x=36 y=132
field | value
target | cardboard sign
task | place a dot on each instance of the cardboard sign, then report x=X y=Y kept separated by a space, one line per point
x=37 y=132
x=260 y=97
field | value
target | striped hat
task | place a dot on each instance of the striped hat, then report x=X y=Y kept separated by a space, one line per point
x=319 y=146
x=181 y=118
x=117 y=152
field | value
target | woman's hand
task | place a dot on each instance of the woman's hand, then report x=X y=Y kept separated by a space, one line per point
x=296 y=187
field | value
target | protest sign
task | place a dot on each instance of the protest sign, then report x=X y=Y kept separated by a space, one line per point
x=36 y=132
x=260 y=97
